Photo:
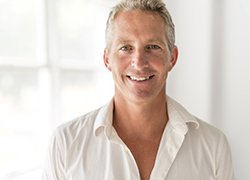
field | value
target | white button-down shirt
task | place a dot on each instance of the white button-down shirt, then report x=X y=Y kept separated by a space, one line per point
x=89 y=148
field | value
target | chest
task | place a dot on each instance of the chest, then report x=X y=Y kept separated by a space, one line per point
x=114 y=160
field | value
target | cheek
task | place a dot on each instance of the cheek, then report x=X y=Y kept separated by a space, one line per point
x=116 y=68
x=119 y=63
x=167 y=64
x=162 y=64
x=163 y=68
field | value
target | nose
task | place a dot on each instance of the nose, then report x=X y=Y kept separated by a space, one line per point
x=139 y=60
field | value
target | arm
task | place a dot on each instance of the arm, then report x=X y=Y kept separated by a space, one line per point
x=224 y=161
x=54 y=166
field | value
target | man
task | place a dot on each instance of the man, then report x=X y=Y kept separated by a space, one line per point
x=142 y=133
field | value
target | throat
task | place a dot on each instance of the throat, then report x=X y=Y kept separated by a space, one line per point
x=140 y=124
x=142 y=135
x=144 y=152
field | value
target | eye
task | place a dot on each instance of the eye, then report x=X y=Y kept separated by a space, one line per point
x=152 y=46
x=126 y=48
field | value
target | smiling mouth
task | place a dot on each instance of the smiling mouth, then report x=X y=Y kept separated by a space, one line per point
x=140 y=78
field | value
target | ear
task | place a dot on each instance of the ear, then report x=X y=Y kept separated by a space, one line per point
x=106 y=59
x=174 y=57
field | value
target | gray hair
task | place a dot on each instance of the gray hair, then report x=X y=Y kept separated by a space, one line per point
x=157 y=6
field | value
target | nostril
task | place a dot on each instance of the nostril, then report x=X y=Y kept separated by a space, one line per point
x=139 y=63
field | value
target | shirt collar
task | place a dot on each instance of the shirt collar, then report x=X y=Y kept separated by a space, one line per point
x=104 y=120
x=179 y=118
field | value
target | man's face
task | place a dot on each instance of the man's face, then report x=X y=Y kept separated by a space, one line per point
x=138 y=56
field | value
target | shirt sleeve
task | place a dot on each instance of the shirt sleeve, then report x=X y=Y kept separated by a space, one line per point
x=224 y=161
x=54 y=165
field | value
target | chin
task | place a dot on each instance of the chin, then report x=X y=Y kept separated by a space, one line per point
x=142 y=97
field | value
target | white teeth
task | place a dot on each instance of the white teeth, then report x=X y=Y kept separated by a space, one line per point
x=134 y=78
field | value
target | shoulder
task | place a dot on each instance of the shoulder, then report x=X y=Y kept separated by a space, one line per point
x=80 y=122
x=81 y=126
x=196 y=128
x=208 y=136
x=209 y=130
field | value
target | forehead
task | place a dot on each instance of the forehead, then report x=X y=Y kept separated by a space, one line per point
x=139 y=24
x=150 y=15
x=136 y=18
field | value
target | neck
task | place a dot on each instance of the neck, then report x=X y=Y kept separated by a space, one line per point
x=134 y=119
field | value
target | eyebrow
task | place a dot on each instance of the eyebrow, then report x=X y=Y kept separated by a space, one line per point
x=123 y=41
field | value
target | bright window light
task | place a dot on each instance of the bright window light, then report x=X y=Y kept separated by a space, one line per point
x=51 y=71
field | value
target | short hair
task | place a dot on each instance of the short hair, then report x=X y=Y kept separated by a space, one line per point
x=157 y=6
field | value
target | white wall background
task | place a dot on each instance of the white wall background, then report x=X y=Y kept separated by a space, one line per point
x=212 y=77
x=51 y=69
